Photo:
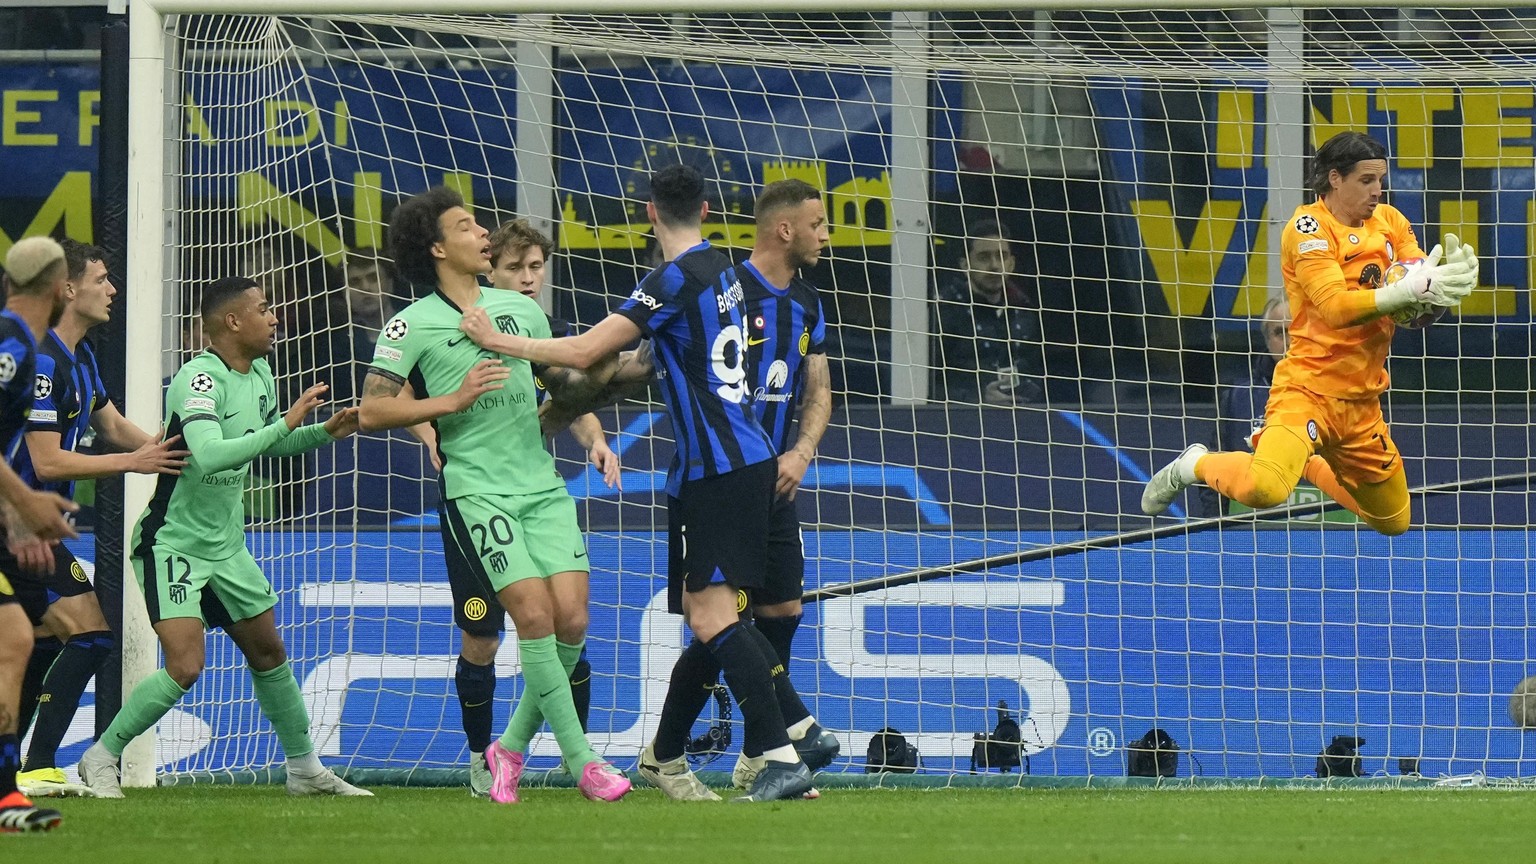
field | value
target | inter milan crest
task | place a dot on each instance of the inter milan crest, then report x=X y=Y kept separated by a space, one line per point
x=1306 y=224
x=7 y=368
x=42 y=388
x=506 y=324
x=396 y=329
x=202 y=382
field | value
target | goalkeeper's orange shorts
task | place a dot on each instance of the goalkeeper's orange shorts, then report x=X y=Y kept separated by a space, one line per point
x=1349 y=434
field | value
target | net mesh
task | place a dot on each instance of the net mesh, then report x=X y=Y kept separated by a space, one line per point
x=1067 y=284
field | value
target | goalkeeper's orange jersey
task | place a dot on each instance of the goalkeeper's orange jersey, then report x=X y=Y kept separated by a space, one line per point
x=1321 y=259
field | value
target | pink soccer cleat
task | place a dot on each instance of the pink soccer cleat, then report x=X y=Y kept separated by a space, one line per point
x=506 y=769
x=603 y=782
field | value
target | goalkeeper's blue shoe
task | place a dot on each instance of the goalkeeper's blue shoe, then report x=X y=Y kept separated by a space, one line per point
x=20 y=816
x=778 y=781
x=818 y=748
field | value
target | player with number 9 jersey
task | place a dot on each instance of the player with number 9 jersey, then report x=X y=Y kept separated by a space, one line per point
x=691 y=308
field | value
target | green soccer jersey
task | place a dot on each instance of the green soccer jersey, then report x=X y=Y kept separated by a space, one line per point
x=494 y=446
x=226 y=419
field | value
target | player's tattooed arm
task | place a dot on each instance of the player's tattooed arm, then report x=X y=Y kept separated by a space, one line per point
x=382 y=384
x=384 y=407
x=815 y=414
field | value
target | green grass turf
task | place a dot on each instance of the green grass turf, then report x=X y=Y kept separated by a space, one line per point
x=192 y=825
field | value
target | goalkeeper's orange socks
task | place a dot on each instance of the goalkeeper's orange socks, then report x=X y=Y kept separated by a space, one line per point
x=1261 y=479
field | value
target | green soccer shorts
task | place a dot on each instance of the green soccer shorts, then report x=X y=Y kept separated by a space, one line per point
x=508 y=538
x=180 y=585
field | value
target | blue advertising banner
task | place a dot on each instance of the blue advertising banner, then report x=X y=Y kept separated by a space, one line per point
x=347 y=141
x=1251 y=648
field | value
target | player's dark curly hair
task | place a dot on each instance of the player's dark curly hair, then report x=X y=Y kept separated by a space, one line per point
x=414 y=227
x=77 y=255
x=1340 y=153
x=677 y=191
x=218 y=295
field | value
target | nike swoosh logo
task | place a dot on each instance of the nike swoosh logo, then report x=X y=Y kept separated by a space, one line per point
x=231 y=415
x=72 y=415
x=548 y=693
x=453 y=342
x=1388 y=463
x=475 y=704
x=581 y=554
x=751 y=341
x=1349 y=258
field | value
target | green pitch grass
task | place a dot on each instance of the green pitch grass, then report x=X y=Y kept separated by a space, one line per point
x=198 y=824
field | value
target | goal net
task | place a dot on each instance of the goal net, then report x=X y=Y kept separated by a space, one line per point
x=1053 y=261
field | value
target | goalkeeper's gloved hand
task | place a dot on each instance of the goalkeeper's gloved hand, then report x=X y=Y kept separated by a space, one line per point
x=1432 y=282
x=1455 y=250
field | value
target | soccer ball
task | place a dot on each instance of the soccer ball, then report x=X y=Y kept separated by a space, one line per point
x=1522 y=705
x=1419 y=315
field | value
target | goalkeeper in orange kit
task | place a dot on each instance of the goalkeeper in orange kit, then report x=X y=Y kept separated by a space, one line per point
x=1323 y=420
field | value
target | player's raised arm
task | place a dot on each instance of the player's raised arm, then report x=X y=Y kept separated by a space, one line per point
x=582 y=351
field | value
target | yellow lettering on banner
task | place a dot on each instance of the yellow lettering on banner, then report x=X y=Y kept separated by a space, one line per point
x=1234 y=129
x=13 y=118
x=257 y=200
x=1530 y=256
x=69 y=203
x=285 y=114
x=1485 y=127
x=1187 y=273
x=368 y=209
x=855 y=207
x=1349 y=112
x=342 y=127
x=90 y=116
x=1253 y=294
x=1461 y=218
x=1413 y=121
x=197 y=124
x=814 y=173
x=858 y=214
x=464 y=184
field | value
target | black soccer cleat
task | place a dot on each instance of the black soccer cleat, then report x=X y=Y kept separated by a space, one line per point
x=777 y=782
x=818 y=748
x=19 y=816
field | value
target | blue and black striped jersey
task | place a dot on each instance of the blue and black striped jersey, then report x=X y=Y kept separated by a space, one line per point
x=784 y=325
x=691 y=309
x=18 y=365
x=66 y=392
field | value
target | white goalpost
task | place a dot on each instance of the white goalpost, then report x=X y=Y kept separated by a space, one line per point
x=1053 y=263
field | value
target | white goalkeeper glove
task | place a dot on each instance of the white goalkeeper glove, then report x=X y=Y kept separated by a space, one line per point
x=1432 y=283
x=1455 y=250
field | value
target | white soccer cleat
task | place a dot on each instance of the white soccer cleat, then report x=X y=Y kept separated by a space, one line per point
x=479 y=776
x=50 y=783
x=99 y=770
x=674 y=778
x=1170 y=480
x=746 y=770
x=324 y=783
